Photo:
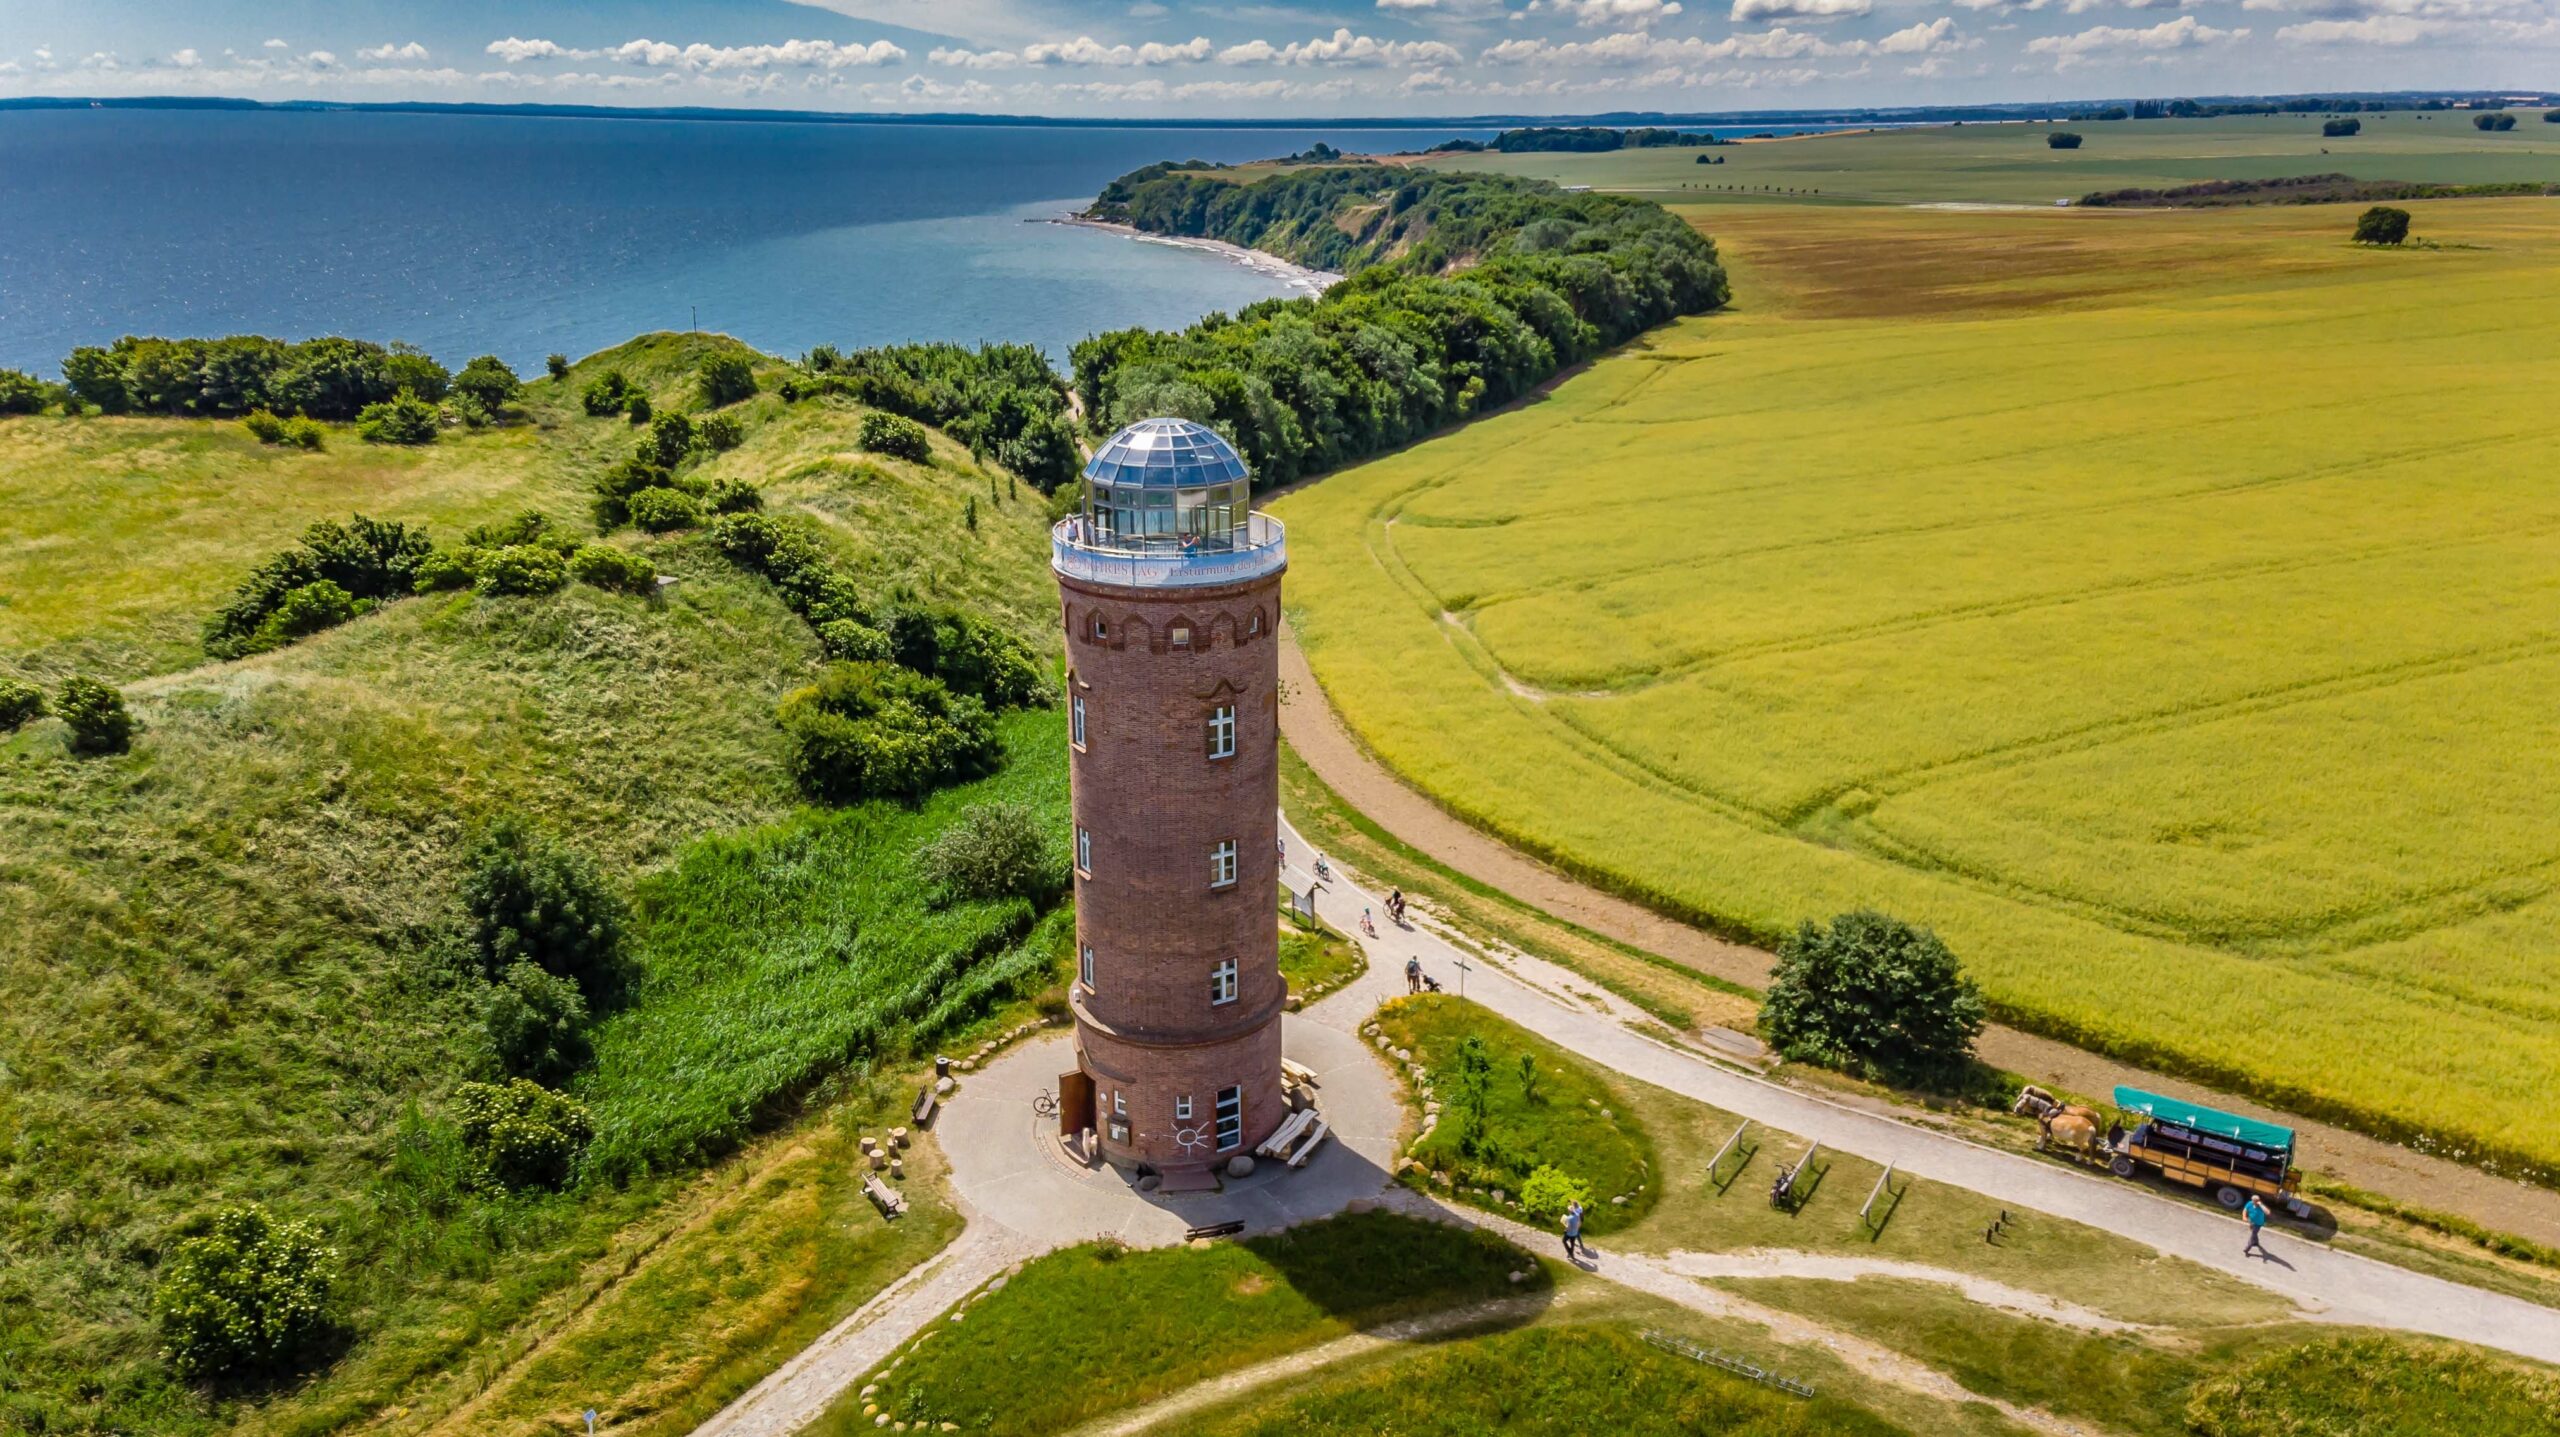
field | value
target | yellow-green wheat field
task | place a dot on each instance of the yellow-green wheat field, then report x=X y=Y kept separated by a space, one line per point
x=2164 y=607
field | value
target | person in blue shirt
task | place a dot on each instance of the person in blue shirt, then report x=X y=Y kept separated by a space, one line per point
x=2256 y=1212
x=1573 y=1230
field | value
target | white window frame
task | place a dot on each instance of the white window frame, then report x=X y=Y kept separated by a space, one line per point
x=1075 y=725
x=1257 y=621
x=1222 y=982
x=1084 y=969
x=1181 y=637
x=1222 y=864
x=1182 y=1108
x=1119 y=1103
x=1222 y=731
x=1230 y=1119
x=1084 y=850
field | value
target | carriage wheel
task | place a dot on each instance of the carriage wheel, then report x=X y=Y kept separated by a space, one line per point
x=2230 y=1197
x=2120 y=1165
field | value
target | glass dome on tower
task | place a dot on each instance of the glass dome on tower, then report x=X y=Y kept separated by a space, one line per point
x=1167 y=501
x=1166 y=481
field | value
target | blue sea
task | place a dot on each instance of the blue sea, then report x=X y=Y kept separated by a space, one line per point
x=522 y=236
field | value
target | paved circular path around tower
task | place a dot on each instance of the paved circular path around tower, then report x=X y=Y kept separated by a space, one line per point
x=1005 y=1158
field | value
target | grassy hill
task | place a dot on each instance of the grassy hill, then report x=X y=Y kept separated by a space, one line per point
x=220 y=973
x=2160 y=606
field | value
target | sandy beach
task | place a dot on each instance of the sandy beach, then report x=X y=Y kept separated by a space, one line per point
x=1296 y=276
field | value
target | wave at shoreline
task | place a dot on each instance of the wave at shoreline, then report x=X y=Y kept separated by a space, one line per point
x=1296 y=276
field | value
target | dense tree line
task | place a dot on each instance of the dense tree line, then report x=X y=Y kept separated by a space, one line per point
x=328 y=378
x=1002 y=400
x=1465 y=290
x=1582 y=139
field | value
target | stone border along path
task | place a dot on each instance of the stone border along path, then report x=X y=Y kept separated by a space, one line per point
x=1312 y=727
x=2331 y=1286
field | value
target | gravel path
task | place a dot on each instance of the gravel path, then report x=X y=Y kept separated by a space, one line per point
x=1312 y=727
x=2328 y=1285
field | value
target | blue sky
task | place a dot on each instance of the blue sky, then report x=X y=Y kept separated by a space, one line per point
x=1289 y=58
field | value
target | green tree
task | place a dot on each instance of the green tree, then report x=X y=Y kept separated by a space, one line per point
x=556 y=365
x=21 y=393
x=2061 y=140
x=404 y=419
x=248 y=1295
x=2494 y=123
x=100 y=723
x=726 y=379
x=995 y=850
x=896 y=436
x=608 y=393
x=521 y=1134
x=488 y=382
x=533 y=900
x=607 y=567
x=874 y=730
x=2382 y=224
x=2340 y=129
x=536 y=1023
x=521 y=570
x=663 y=510
x=1549 y=1190
x=1874 y=995
x=1472 y=1087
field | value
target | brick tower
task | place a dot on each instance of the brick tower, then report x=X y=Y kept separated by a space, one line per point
x=1170 y=589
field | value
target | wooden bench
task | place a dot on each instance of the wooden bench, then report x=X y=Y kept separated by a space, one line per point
x=926 y=1105
x=1277 y=1145
x=1307 y=1146
x=1214 y=1229
x=882 y=1197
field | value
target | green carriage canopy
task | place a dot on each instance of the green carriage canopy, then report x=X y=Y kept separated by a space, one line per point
x=2206 y=1120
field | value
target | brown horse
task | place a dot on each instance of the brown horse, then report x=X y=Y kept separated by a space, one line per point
x=2073 y=1128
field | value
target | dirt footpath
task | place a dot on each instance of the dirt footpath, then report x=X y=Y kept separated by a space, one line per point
x=1308 y=722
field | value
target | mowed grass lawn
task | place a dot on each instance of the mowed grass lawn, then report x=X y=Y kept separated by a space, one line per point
x=2012 y=164
x=2164 y=607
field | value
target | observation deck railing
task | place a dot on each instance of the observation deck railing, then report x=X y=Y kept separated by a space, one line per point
x=1261 y=550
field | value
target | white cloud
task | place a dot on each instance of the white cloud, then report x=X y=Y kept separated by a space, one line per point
x=1341 y=48
x=1746 y=12
x=516 y=52
x=1596 y=13
x=2371 y=30
x=320 y=60
x=1928 y=37
x=1083 y=50
x=412 y=51
x=1428 y=81
x=1629 y=47
x=2183 y=33
x=275 y=45
x=187 y=60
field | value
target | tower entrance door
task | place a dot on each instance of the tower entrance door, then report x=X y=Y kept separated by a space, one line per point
x=1075 y=1102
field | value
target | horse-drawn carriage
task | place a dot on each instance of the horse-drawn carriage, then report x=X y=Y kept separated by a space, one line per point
x=2222 y=1153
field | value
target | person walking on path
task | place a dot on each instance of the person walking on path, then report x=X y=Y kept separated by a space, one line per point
x=1573 y=1229
x=1413 y=974
x=2256 y=1213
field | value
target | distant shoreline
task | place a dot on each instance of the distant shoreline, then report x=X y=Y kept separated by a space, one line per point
x=1263 y=262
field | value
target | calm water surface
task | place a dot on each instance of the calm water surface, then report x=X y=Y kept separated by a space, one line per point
x=466 y=234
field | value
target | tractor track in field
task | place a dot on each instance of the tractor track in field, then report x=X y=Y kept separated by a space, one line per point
x=1310 y=724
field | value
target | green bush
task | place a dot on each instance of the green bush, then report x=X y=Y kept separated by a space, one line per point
x=732 y=496
x=21 y=392
x=2061 y=140
x=525 y=526
x=521 y=1134
x=616 y=485
x=99 y=721
x=996 y=850
x=638 y=410
x=1873 y=995
x=1548 y=1191
x=249 y=1295
x=264 y=426
x=369 y=558
x=529 y=899
x=522 y=569
x=608 y=393
x=2494 y=123
x=403 y=419
x=326 y=378
x=726 y=379
x=306 y=433
x=606 y=566
x=536 y=1023
x=896 y=436
x=21 y=703
x=2382 y=224
x=661 y=510
x=969 y=654
x=2340 y=129
x=853 y=641
x=669 y=440
x=306 y=611
x=447 y=569
x=488 y=382
x=874 y=730
x=719 y=433
x=469 y=411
